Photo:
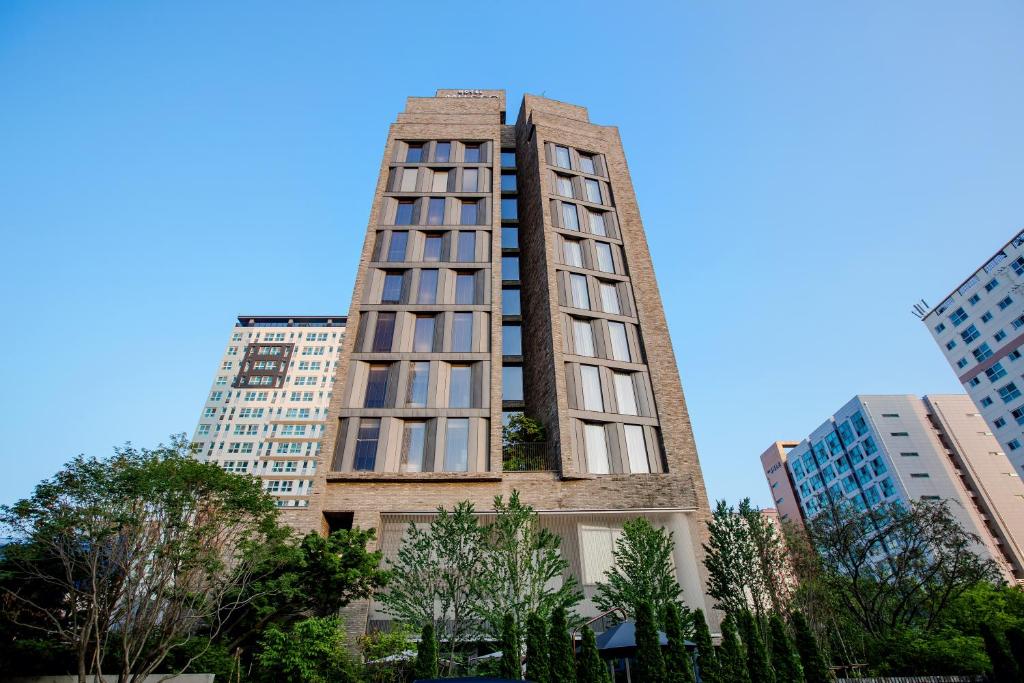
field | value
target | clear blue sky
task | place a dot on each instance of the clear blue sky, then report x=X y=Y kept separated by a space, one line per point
x=806 y=171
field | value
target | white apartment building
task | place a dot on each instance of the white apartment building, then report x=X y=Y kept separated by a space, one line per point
x=267 y=406
x=880 y=449
x=980 y=329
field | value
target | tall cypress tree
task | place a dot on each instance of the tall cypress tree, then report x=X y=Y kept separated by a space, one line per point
x=590 y=668
x=678 y=667
x=426 y=654
x=757 y=655
x=562 y=655
x=537 y=669
x=707 y=662
x=815 y=667
x=731 y=660
x=511 y=666
x=650 y=665
x=1004 y=668
x=785 y=661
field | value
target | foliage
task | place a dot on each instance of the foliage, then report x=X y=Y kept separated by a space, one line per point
x=678 y=666
x=785 y=660
x=538 y=668
x=135 y=553
x=1004 y=668
x=815 y=668
x=590 y=668
x=732 y=664
x=913 y=652
x=562 y=653
x=757 y=655
x=1015 y=639
x=426 y=654
x=522 y=429
x=309 y=651
x=511 y=662
x=642 y=570
x=707 y=661
x=650 y=664
x=384 y=654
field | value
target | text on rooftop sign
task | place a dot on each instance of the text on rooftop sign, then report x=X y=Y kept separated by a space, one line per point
x=470 y=93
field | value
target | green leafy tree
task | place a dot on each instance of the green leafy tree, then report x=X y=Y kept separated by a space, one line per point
x=590 y=668
x=678 y=666
x=309 y=651
x=562 y=652
x=642 y=570
x=650 y=664
x=384 y=653
x=785 y=660
x=814 y=665
x=707 y=661
x=732 y=660
x=511 y=661
x=426 y=654
x=1004 y=668
x=731 y=560
x=522 y=429
x=757 y=654
x=538 y=668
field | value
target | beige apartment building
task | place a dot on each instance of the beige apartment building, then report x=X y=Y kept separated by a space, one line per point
x=505 y=269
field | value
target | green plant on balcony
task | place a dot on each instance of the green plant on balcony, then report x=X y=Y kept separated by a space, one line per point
x=520 y=429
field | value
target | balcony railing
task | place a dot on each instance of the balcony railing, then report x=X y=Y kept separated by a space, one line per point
x=528 y=457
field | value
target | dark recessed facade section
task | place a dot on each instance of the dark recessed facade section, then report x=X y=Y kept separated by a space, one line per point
x=264 y=365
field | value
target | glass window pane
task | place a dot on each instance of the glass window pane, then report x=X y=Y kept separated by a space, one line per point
x=573 y=251
x=432 y=248
x=376 y=386
x=625 y=393
x=508 y=182
x=593 y=191
x=384 y=332
x=510 y=302
x=610 y=298
x=467 y=246
x=440 y=182
x=413 y=443
x=511 y=340
x=583 y=337
x=509 y=238
x=470 y=179
x=419 y=379
x=604 y=257
x=597 y=449
x=620 y=347
x=597 y=225
x=462 y=332
x=464 y=288
x=409 y=176
x=469 y=213
x=456 y=452
x=366 y=444
x=587 y=164
x=423 y=336
x=472 y=154
x=459 y=393
x=428 y=287
x=570 y=219
x=509 y=208
x=509 y=267
x=415 y=153
x=563 y=186
x=435 y=212
x=512 y=383
x=636 y=448
x=404 y=214
x=508 y=158
x=562 y=157
x=580 y=298
x=591 y=378
x=399 y=241
x=443 y=151
x=392 y=292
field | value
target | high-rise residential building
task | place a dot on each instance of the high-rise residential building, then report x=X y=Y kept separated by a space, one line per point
x=786 y=509
x=505 y=269
x=980 y=329
x=883 y=449
x=266 y=411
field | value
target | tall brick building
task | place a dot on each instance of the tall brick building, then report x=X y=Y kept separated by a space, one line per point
x=505 y=269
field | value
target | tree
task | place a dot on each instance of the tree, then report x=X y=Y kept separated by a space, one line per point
x=650 y=665
x=757 y=655
x=730 y=559
x=511 y=662
x=537 y=658
x=642 y=570
x=707 y=662
x=522 y=429
x=815 y=668
x=137 y=552
x=678 y=667
x=385 y=653
x=1004 y=668
x=732 y=664
x=785 y=660
x=562 y=653
x=773 y=584
x=426 y=654
x=1015 y=639
x=310 y=651
x=590 y=668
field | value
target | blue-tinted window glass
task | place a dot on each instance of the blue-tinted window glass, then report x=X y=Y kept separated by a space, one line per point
x=509 y=238
x=509 y=208
x=510 y=302
x=366 y=444
x=415 y=153
x=508 y=158
x=399 y=241
x=404 y=214
x=508 y=182
x=470 y=213
x=512 y=340
x=509 y=267
x=512 y=383
x=443 y=151
x=472 y=154
x=958 y=316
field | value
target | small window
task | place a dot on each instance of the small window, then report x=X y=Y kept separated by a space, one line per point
x=899 y=434
x=986 y=316
x=413 y=446
x=462 y=332
x=590 y=377
x=610 y=299
x=593 y=190
x=508 y=182
x=572 y=252
x=443 y=152
x=512 y=383
x=587 y=164
x=472 y=154
x=986 y=402
x=508 y=158
x=456 y=452
x=957 y=317
x=509 y=237
x=467 y=246
x=970 y=334
x=403 y=216
x=512 y=340
x=570 y=219
x=1004 y=303
x=428 y=287
x=465 y=288
x=423 y=334
x=435 y=211
x=384 y=332
x=562 y=157
x=992 y=284
x=432 y=247
x=459 y=390
x=620 y=345
x=376 y=386
x=509 y=208
x=470 y=180
x=595 y=443
x=509 y=267
x=919 y=475
x=583 y=337
x=890 y=414
x=470 y=213
x=414 y=154
x=604 y=257
x=419 y=380
x=999 y=423
x=999 y=336
x=397 y=247
x=563 y=186
x=974 y=299
x=392 y=293
x=510 y=301
x=625 y=393
x=909 y=454
x=597 y=224
x=579 y=296
x=939 y=328
x=366 y=444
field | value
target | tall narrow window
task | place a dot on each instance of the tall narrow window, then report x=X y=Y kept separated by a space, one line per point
x=470 y=179
x=414 y=154
x=512 y=383
x=384 y=332
x=428 y=287
x=510 y=301
x=472 y=155
x=583 y=337
x=509 y=267
x=593 y=190
x=432 y=248
x=392 y=291
x=570 y=219
x=399 y=242
x=509 y=209
x=460 y=386
x=377 y=386
x=596 y=445
x=511 y=340
x=419 y=380
x=579 y=296
x=423 y=336
x=562 y=157
x=409 y=180
x=456 y=451
x=462 y=332
x=467 y=246
x=403 y=216
x=636 y=449
x=435 y=211
x=573 y=253
x=610 y=298
x=443 y=151
x=413 y=444
x=604 y=257
x=470 y=212
x=597 y=225
x=587 y=164
x=591 y=379
x=625 y=393
x=620 y=345
x=464 y=288
x=366 y=444
x=439 y=183
x=563 y=185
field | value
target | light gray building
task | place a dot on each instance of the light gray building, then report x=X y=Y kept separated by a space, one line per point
x=980 y=329
x=879 y=449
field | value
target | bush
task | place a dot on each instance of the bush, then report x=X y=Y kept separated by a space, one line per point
x=650 y=665
x=311 y=651
x=426 y=654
